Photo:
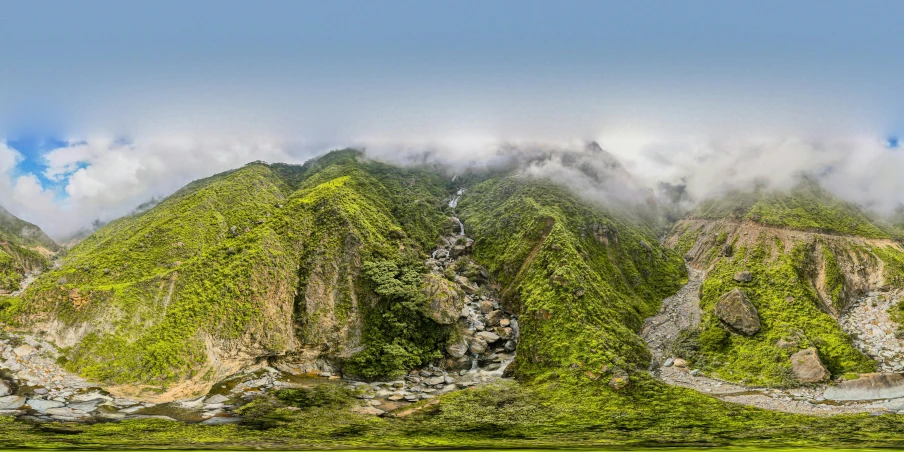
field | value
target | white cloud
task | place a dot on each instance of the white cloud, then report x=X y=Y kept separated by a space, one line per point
x=101 y=178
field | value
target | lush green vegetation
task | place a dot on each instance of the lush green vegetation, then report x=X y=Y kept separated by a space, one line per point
x=398 y=334
x=790 y=313
x=581 y=280
x=224 y=258
x=807 y=207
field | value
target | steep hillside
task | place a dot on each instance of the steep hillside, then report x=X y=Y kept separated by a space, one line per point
x=263 y=262
x=24 y=248
x=581 y=278
x=801 y=257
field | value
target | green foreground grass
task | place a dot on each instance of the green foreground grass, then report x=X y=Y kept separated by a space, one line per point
x=566 y=412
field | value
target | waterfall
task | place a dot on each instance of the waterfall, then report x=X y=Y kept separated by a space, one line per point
x=453 y=203
x=461 y=227
x=474 y=364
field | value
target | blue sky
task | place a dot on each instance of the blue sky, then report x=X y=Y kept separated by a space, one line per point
x=289 y=79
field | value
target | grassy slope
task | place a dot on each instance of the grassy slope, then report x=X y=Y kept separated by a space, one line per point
x=160 y=282
x=581 y=281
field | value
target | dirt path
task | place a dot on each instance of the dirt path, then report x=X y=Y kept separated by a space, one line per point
x=681 y=311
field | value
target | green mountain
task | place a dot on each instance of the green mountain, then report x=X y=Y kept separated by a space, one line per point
x=807 y=255
x=264 y=261
x=323 y=265
x=24 y=247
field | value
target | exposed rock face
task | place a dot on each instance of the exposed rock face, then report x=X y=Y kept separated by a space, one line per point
x=868 y=387
x=445 y=301
x=807 y=367
x=738 y=312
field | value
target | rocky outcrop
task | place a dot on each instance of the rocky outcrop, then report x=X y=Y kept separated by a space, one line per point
x=445 y=299
x=736 y=311
x=807 y=367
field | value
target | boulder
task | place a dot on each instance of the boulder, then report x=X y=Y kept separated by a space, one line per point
x=445 y=302
x=726 y=250
x=873 y=386
x=458 y=251
x=488 y=337
x=11 y=402
x=807 y=367
x=494 y=317
x=41 y=406
x=735 y=310
x=743 y=277
x=24 y=350
x=457 y=349
x=478 y=345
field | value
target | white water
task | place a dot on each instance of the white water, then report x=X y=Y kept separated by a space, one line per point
x=453 y=203
x=461 y=226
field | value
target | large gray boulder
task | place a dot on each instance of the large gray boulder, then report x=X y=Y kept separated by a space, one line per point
x=736 y=311
x=807 y=367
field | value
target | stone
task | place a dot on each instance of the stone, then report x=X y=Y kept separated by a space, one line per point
x=5 y=390
x=445 y=301
x=219 y=398
x=807 y=367
x=872 y=386
x=433 y=381
x=668 y=362
x=396 y=397
x=494 y=317
x=680 y=363
x=505 y=323
x=12 y=402
x=735 y=310
x=87 y=407
x=41 y=406
x=510 y=346
x=786 y=345
x=367 y=410
x=222 y=421
x=486 y=307
x=726 y=250
x=24 y=350
x=458 y=251
x=488 y=336
x=743 y=277
x=457 y=349
x=478 y=345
